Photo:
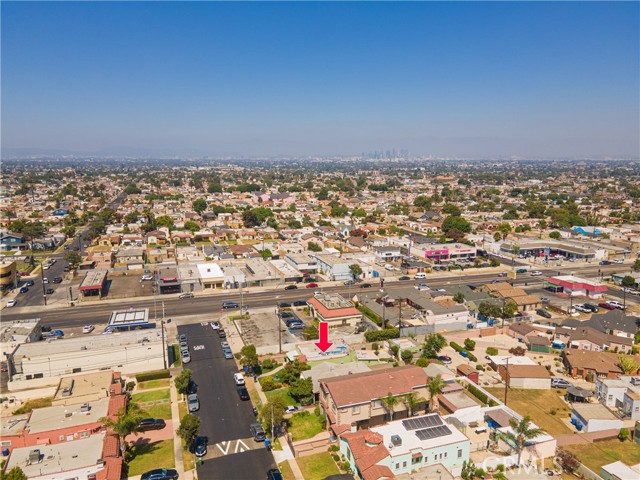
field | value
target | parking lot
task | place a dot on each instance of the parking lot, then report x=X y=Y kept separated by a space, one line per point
x=261 y=330
x=128 y=286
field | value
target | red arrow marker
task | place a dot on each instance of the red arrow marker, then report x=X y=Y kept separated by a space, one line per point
x=324 y=342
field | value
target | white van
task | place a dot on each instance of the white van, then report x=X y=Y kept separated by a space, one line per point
x=239 y=378
x=420 y=276
x=389 y=267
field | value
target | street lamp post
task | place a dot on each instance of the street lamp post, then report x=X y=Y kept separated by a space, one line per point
x=44 y=289
x=164 y=355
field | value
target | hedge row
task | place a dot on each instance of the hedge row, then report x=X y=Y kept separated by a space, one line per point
x=460 y=349
x=145 y=377
x=476 y=392
x=370 y=314
x=381 y=335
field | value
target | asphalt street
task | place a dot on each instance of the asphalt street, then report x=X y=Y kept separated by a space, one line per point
x=204 y=304
x=224 y=418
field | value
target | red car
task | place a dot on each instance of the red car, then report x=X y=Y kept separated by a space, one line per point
x=312 y=285
x=606 y=306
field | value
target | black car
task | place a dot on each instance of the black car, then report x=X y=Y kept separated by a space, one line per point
x=291 y=287
x=45 y=328
x=543 y=313
x=199 y=446
x=284 y=305
x=227 y=305
x=222 y=333
x=192 y=387
x=365 y=285
x=243 y=393
x=57 y=280
x=300 y=303
x=284 y=315
x=50 y=291
x=151 y=424
x=160 y=474
x=592 y=307
x=274 y=474
x=404 y=277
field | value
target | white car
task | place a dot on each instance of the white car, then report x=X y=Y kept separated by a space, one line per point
x=616 y=304
x=291 y=409
x=45 y=280
x=12 y=302
x=536 y=273
x=215 y=325
x=147 y=277
x=46 y=266
x=238 y=378
x=88 y=329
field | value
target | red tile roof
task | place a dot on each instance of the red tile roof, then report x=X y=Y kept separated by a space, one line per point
x=334 y=312
x=112 y=469
x=365 y=453
x=367 y=386
x=115 y=404
x=111 y=446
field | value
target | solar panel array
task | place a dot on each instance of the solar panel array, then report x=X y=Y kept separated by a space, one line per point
x=433 y=432
x=422 y=422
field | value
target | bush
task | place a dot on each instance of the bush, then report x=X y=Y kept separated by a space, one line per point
x=145 y=377
x=492 y=351
x=480 y=367
x=130 y=386
x=334 y=448
x=472 y=357
x=478 y=394
x=381 y=335
x=469 y=344
x=346 y=466
x=336 y=457
x=456 y=347
x=370 y=314
x=269 y=364
x=268 y=384
x=624 y=434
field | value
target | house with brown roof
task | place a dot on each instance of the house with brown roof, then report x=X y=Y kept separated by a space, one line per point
x=356 y=401
x=588 y=338
x=584 y=363
x=526 y=376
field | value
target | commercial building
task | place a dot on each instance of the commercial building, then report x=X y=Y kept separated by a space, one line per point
x=336 y=268
x=8 y=276
x=18 y=331
x=43 y=363
x=301 y=262
x=93 y=285
x=577 y=287
x=448 y=252
x=334 y=309
x=211 y=275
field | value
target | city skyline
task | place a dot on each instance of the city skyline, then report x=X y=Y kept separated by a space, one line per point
x=266 y=79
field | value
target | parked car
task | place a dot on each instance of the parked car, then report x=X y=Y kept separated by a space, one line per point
x=160 y=473
x=215 y=325
x=284 y=305
x=593 y=308
x=151 y=424
x=300 y=303
x=227 y=305
x=88 y=329
x=49 y=291
x=606 y=306
x=238 y=378
x=24 y=290
x=616 y=304
x=45 y=328
x=147 y=277
x=349 y=282
x=66 y=268
x=291 y=409
x=421 y=286
x=404 y=277
x=312 y=285
x=185 y=295
x=291 y=287
x=545 y=299
x=521 y=270
x=560 y=383
x=365 y=285
x=222 y=333
x=57 y=280
x=502 y=274
x=257 y=432
x=192 y=387
x=298 y=325
x=274 y=474
x=543 y=313
x=605 y=262
x=182 y=338
x=194 y=403
x=30 y=283
x=12 y=302
x=579 y=307
x=243 y=393
x=445 y=359
x=224 y=344
x=228 y=354
x=200 y=446
x=284 y=315
x=536 y=273
x=56 y=334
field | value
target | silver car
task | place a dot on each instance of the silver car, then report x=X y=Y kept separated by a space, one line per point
x=194 y=403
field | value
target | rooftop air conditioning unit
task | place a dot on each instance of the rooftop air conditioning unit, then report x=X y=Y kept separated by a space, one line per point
x=85 y=407
x=34 y=457
x=396 y=440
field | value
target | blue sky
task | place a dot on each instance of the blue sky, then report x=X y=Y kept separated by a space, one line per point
x=453 y=78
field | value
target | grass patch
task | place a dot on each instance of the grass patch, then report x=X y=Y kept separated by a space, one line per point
x=187 y=457
x=349 y=358
x=32 y=404
x=245 y=316
x=287 y=472
x=161 y=382
x=281 y=392
x=595 y=455
x=149 y=456
x=538 y=404
x=176 y=355
x=159 y=410
x=152 y=396
x=317 y=466
x=305 y=425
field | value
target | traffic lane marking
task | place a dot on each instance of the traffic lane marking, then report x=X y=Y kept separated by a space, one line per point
x=232 y=447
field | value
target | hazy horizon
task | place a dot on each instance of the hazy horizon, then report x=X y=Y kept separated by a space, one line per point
x=451 y=79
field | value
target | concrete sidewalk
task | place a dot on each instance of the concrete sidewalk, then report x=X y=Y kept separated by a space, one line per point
x=286 y=455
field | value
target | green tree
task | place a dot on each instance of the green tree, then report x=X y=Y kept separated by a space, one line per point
x=355 y=269
x=272 y=413
x=456 y=223
x=555 y=235
x=451 y=209
x=509 y=310
x=505 y=229
x=433 y=343
x=182 y=381
x=165 y=221
x=422 y=362
x=15 y=473
x=323 y=194
x=249 y=356
x=199 y=205
x=412 y=400
x=191 y=226
x=126 y=422
x=627 y=364
x=314 y=247
x=359 y=213
x=389 y=402
x=339 y=211
x=458 y=297
x=406 y=355
x=72 y=258
x=435 y=387
x=394 y=349
x=628 y=281
x=494 y=262
x=302 y=390
x=521 y=433
x=423 y=202
x=469 y=345
x=266 y=253
x=188 y=429
x=636 y=265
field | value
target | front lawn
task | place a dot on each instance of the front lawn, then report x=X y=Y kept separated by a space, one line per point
x=281 y=392
x=159 y=410
x=187 y=457
x=317 y=466
x=595 y=455
x=152 y=396
x=161 y=382
x=545 y=407
x=149 y=456
x=285 y=469
x=305 y=425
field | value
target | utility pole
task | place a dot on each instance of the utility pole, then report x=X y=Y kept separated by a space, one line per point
x=506 y=382
x=279 y=331
x=44 y=290
x=164 y=355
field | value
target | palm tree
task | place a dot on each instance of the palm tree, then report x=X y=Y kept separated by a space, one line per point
x=520 y=434
x=389 y=403
x=126 y=422
x=412 y=400
x=435 y=387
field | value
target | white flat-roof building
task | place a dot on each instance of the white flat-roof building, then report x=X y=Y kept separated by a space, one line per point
x=211 y=275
